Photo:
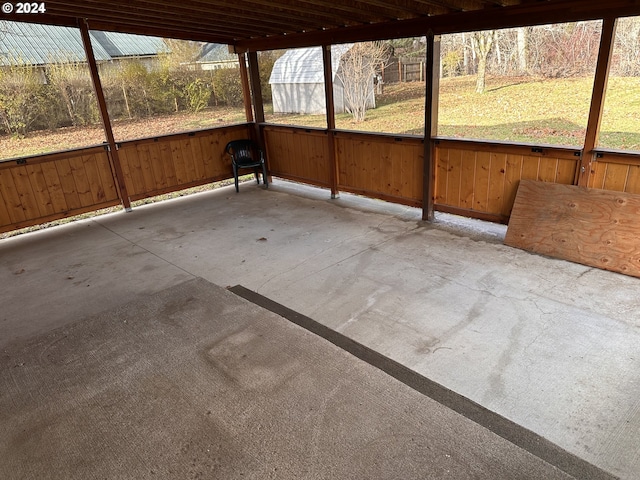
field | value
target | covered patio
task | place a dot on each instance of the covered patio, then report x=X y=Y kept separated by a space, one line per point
x=548 y=346
x=363 y=310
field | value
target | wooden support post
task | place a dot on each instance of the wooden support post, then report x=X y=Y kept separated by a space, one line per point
x=254 y=77
x=597 y=99
x=104 y=115
x=331 y=119
x=258 y=106
x=432 y=81
x=246 y=90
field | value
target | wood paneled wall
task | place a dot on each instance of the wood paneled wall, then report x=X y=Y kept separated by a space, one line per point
x=298 y=153
x=481 y=180
x=385 y=167
x=44 y=188
x=618 y=172
x=379 y=166
x=475 y=179
x=160 y=165
x=49 y=187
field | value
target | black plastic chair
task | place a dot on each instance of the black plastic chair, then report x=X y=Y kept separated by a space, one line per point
x=247 y=154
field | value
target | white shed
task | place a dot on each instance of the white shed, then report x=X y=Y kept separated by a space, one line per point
x=297 y=81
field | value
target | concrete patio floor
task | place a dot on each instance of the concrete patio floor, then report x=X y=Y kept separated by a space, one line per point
x=548 y=344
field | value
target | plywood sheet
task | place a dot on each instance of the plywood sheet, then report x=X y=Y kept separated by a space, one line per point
x=599 y=228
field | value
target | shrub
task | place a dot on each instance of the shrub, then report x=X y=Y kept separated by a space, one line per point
x=73 y=83
x=198 y=94
x=227 y=86
x=21 y=90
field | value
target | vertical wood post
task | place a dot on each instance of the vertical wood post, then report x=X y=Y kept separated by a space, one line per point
x=254 y=78
x=258 y=106
x=331 y=119
x=246 y=90
x=104 y=115
x=597 y=99
x=432 y=80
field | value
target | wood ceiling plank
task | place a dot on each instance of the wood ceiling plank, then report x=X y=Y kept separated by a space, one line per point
x=453 y=5
x=293 y=9
x=525 y=14
x=366 y=12
x=276 y=11
x=201 y=36
x=157 y=27
x=156 y=12
x=280 y=22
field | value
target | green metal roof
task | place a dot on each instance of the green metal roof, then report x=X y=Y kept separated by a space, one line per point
x=36 y=44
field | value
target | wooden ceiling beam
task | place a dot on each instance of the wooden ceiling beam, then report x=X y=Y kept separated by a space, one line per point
x=151 y=12
x=122 y=27
x=412 y=8
x=376 y=10
x=273 y=24
x=454 y=5
x=161 y=27
x=200 y=36
x=345 y=13
x=261 y=10
x=538 y=13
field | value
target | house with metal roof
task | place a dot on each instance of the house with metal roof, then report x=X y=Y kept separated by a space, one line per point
x=297 y=81
x=35 y=44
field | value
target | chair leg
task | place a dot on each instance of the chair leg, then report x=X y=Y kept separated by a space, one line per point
x=255 y=172
x=235 y=177
x=264 y=176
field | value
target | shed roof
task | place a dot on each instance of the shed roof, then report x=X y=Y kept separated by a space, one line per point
x=36 y=44
x=304 y=65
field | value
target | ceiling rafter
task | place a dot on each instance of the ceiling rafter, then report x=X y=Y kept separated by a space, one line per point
x=251 y=25
x=153 y=12
x=450 y=5
x=525 y=14
x=377 y=10
x=258 y=9
x=346 y=13
x=145 y=21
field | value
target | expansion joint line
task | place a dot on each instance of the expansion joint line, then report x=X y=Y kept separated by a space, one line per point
x=144 y=248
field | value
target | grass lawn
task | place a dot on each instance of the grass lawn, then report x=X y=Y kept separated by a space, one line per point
x=522 y=110
x=74 y=137
x=542 y=111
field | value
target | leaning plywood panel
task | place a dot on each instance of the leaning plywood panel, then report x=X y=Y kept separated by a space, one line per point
x=599 y=228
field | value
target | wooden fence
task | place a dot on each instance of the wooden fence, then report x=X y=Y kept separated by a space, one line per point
x=300 y=154
x=481 y=179
x=615 y=171
x=381 y=166
x=476 y=179
x=48 y=187
x=155 y=166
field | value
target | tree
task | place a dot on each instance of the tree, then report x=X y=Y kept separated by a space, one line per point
x=358 y=67
x=180 y=54
x=483 y=44
x=522 y=42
